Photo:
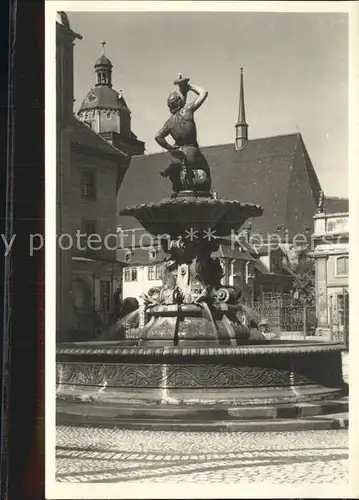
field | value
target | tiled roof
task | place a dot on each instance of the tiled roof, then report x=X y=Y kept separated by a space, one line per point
x=274 y=172
x=141 y=257
x=84 y=136
x=334 y=205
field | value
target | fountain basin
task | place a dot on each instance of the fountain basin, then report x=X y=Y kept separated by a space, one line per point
x=243 y=375
x=176 y=216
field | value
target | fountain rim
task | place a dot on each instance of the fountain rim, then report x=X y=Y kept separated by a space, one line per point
x=196 y=201
x=270 y=348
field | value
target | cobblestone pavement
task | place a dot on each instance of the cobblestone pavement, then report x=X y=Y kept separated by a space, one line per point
x=96 y=455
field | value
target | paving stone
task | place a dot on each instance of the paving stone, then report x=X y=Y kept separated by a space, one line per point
x=112 y=455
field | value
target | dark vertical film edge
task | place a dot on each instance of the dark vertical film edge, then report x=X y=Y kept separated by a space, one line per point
x=8 y=34
x=26 y=400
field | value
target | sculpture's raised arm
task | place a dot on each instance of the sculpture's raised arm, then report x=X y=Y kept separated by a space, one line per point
x=202 y=96
x=184 y=87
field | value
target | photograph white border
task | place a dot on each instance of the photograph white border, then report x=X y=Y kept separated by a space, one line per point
x=55 y=490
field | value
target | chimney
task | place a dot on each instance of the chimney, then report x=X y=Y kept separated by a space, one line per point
x=241 y=126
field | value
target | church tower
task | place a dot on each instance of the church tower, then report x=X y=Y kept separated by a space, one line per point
x=241 y=126
x=65 y=39
x=106 y=112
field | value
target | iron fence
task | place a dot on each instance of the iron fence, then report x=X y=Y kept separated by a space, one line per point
x=290 y=318
x=286 y=317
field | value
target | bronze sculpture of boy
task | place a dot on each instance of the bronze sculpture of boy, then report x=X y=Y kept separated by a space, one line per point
x=188 y=169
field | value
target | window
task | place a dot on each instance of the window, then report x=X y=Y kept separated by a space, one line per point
x=249 y=272
x=105 y=296
x=337 y=225
x=88 y=185
x=88 y=227
x=342 y=266
x=130 y=273
x=154 y=273
x=343 y=309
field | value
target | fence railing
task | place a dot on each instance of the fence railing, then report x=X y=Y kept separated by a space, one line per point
x=291 y=318
x=286 y=317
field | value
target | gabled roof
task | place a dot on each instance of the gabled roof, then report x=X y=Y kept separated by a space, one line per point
x=274 y=172
x=82 y=136
x=335 y=205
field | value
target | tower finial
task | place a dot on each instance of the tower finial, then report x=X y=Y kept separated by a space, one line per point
x=241 y=126
x=103 y=43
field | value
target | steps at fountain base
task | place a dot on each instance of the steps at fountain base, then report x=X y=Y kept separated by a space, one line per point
x=326 y=414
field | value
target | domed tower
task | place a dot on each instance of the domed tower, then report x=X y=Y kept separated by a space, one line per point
x=106 y=112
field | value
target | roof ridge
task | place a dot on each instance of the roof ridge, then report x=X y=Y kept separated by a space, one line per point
x=254 y=139
x=275 y=136
x=232 y=144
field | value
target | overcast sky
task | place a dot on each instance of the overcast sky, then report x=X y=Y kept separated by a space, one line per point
x=295 y=75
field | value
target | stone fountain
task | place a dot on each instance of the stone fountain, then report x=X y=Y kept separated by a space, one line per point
x=194 y=363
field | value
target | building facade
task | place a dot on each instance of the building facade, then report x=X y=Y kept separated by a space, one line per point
x=331 y=254
x=90 y=169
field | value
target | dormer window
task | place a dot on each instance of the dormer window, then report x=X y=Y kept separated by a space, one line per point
x=152 y=252
x=128 y=256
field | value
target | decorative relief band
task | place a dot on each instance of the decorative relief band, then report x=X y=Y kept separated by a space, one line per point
x=174 y=376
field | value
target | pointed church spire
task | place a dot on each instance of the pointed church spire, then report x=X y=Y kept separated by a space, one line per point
x=241 y=126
